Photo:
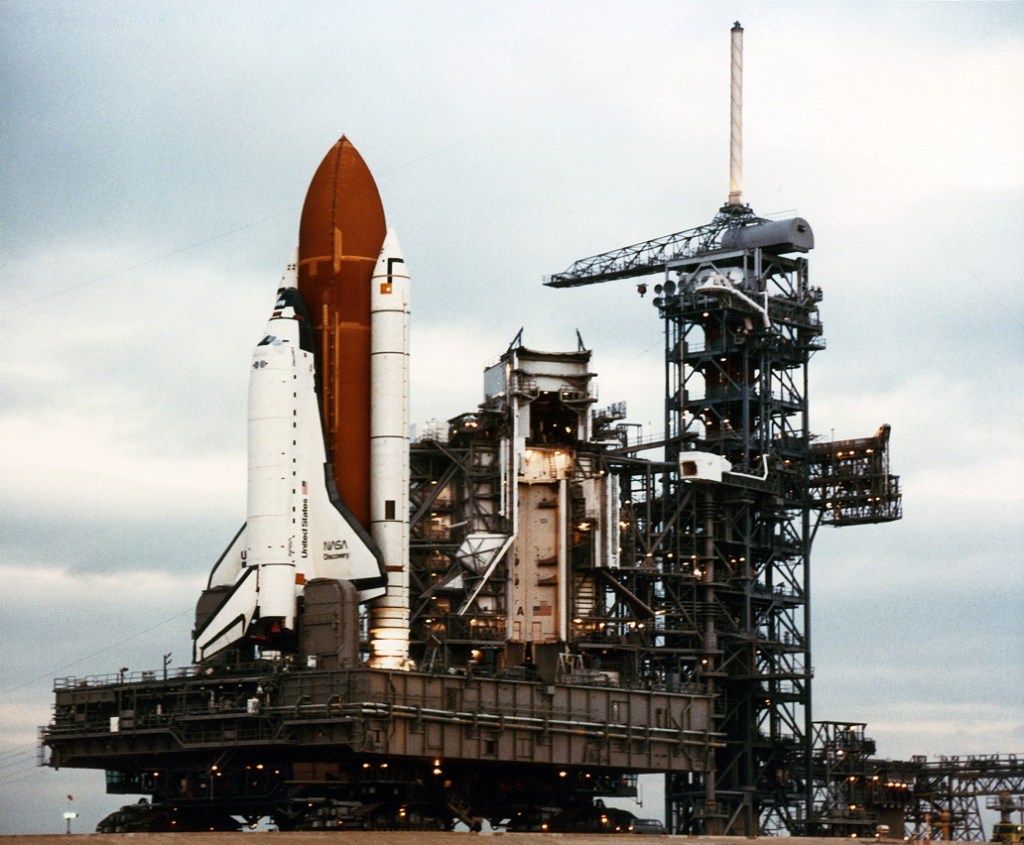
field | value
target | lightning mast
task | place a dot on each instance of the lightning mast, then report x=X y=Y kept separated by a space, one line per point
x=736 y=118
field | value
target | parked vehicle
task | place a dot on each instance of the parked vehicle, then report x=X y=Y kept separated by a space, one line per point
x=652 y=826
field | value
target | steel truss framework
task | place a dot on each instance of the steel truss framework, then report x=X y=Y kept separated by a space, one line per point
x=851 y=482
x=651 y=256
x=711 y=587
x=458 y=614
x=916 y=798
x=737 y=387
x=731 y=594
x=947 y=791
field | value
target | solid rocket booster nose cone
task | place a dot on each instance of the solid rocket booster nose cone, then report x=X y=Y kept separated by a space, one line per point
x=390 y=260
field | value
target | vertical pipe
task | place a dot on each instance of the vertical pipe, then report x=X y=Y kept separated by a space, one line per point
x=564 y=543
x=807 y=538
x=709 y=511
x=736 y=118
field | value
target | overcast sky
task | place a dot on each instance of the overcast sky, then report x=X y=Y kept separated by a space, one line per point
x=153 y=161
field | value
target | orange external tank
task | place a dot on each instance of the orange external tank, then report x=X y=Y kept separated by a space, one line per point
x=340 y=236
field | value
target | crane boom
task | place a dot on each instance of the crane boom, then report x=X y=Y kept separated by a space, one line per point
x=651 y=256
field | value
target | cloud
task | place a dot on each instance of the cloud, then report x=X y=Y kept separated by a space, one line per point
x=77 y=624
x=130 y=609
x=135 y=400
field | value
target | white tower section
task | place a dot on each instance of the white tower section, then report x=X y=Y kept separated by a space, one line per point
x=389 y=453
x=563 y=506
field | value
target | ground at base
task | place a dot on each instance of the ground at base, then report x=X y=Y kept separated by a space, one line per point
x=410 y=837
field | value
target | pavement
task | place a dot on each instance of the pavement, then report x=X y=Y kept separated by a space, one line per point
x=410 y=837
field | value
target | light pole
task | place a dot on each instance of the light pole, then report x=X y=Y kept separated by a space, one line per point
x=68 y=817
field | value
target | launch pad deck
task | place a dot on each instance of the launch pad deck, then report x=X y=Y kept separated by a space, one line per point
x=377 y=712
x=239 y=741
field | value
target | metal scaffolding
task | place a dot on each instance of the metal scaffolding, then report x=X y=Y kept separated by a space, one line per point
x=857 y=795
x=947 y=792
x=721 y=559
x=851 y=482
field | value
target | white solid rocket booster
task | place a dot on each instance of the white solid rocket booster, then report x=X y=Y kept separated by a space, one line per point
x=389 y=453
